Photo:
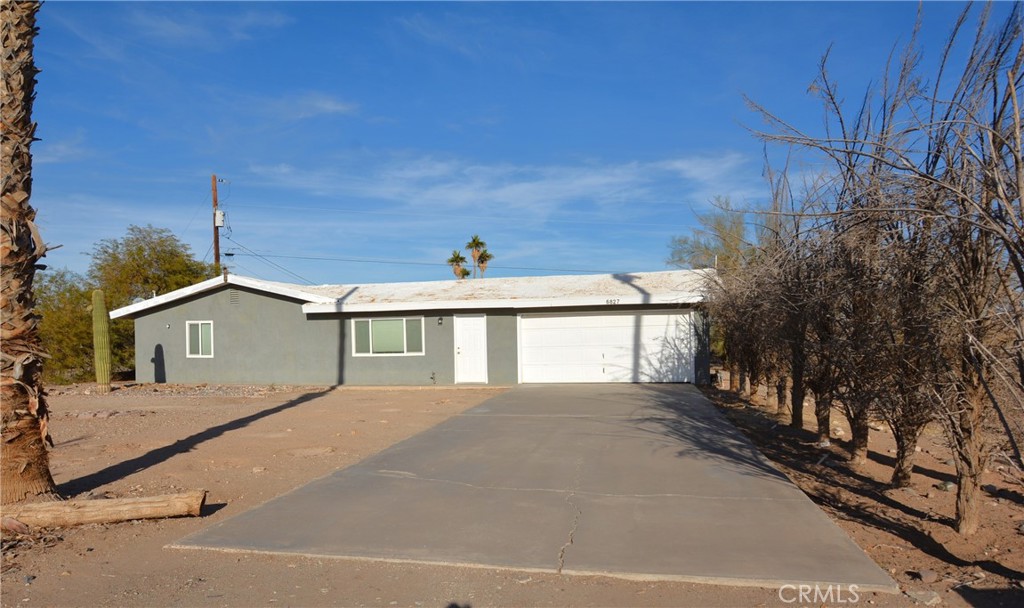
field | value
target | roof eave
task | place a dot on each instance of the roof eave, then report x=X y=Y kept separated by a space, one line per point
x=239 y=281
x=177 y=294
x=525 y=303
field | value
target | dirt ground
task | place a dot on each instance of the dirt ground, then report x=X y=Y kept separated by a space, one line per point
x=907 y=531
x=247 y=445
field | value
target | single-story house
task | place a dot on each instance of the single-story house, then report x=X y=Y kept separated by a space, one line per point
x=639 y=327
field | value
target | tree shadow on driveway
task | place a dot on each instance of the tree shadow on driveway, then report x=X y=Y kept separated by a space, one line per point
x=699 y=431
x=123 y=469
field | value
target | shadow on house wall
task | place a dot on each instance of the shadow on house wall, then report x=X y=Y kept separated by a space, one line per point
x=159 y=367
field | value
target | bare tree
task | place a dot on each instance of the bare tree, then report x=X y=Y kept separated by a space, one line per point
x=956 y=149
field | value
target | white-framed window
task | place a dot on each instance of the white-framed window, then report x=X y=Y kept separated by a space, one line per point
x=199 y=339
x=391 y=337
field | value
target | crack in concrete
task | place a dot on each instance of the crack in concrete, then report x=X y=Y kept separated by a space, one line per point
x=576 y=517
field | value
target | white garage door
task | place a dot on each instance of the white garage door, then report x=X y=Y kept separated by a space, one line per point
x=621 y=347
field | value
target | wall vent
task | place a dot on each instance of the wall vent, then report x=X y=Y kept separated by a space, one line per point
x=233 y=296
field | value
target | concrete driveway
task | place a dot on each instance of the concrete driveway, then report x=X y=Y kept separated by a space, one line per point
x=638 y=481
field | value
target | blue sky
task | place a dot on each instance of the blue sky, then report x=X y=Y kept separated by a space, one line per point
x=570 y=136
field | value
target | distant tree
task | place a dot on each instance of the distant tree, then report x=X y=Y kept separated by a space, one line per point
x=456 y=261
x=720 y=242
x=482 y=260
x=475 y=246
x=147 y=261
x=62 y=298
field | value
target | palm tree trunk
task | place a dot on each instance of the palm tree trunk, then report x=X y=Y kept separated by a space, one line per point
x=24 y=462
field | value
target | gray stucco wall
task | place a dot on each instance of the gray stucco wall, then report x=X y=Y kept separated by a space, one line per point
x=261 y=338
x=435 y=366
x=502 y=348
x=258 y=338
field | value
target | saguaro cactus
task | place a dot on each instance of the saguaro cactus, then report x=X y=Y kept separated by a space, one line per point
x=101 y=341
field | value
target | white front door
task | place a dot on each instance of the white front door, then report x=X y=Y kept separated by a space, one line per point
x=471 y=349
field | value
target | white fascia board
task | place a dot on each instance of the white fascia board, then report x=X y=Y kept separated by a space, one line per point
x=617 y=301
x=166 y=298
x=214 y=283
x=280 y=290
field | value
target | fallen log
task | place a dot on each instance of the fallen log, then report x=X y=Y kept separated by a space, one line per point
x=106 y=510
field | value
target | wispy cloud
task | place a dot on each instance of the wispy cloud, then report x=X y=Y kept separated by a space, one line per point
x=98 y=43
x=272 y=109
x=535 y=218
x=481 y=121
x=193 y=28
x=532 y=192
x=705 y=168
x=477 y=38
x=243 y=26
x=314 y=104
x=184 y=27
x=450 y=34
x=147 y=40
x=69 y=149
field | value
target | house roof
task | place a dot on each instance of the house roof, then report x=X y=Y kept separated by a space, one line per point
x=298 y=292
x=624 y=289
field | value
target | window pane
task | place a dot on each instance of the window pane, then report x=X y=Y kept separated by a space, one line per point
x=414 y=335
x=388 y=336
x=206 y=334
x=193 y=339
x=362 y=337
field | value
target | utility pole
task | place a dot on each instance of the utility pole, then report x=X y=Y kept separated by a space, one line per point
x=217 y=222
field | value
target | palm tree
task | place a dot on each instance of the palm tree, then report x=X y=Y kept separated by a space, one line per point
x=475 y=246
x=482 y=260
x=456 y=262
x=24 y=461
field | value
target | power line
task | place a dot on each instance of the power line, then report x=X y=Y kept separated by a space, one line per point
x=251 y=272
x=411 y=263
x=275 y=265
x=475 y=217
x=202 y=200
x=208 y=250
